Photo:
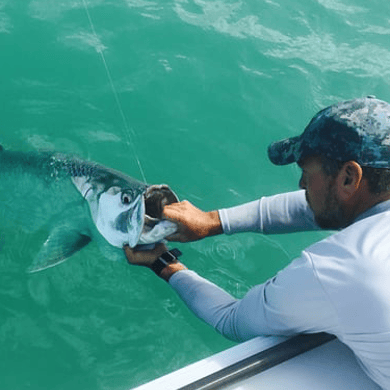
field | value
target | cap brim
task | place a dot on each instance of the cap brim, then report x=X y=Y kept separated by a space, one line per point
x=285 y=152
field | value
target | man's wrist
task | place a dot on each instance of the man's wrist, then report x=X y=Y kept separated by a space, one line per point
x=167 y=264
x=215 y=226
x=171 y=269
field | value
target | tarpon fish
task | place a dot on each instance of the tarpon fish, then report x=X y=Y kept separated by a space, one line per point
x=75 y=201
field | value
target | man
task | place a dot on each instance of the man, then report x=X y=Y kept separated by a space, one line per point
x=340 y=285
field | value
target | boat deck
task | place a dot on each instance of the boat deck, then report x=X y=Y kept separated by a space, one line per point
x=264 y=363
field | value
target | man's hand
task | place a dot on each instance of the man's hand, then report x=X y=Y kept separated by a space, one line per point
x=144 y=258
x=193 y=223
x=147 y=258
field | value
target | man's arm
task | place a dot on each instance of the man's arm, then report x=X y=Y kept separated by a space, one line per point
x=291 y=302
x=283 y=213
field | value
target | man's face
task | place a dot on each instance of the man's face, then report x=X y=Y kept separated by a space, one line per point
x=321 y=194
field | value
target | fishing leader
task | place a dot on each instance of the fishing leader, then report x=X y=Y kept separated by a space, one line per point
x=339 y=285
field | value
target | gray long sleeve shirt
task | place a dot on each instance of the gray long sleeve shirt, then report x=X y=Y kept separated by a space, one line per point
x=340 y=285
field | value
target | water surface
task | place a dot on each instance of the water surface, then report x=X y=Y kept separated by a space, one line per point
x=192 y=91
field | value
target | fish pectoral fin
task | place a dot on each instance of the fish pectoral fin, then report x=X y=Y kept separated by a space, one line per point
x=61 y=244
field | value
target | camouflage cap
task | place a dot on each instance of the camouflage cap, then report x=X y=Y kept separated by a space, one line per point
x=357 y=130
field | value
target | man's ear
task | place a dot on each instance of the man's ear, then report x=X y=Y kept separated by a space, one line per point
x=349 y=180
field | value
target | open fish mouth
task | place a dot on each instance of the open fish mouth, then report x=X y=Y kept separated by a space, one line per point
x=155 y=227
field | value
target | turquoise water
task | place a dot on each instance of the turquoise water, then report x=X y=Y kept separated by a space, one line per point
x=192 y=91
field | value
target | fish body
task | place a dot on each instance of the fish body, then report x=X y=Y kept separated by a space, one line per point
x=77 y=201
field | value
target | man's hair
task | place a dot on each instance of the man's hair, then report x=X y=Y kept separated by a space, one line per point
x=378 y=178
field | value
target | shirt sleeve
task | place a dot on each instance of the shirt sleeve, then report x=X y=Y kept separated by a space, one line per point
x=291 y=302
x=283 y=213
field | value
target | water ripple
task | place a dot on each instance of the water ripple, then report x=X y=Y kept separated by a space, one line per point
x=215 y=14
x=320 y=46
x=83 y=40
x=149 y=5
x=5 y=24
x=236 y=250
x=326 y=54
x=48 y=10
x=336 y=5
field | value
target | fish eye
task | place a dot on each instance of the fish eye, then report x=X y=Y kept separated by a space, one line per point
x=126 y=198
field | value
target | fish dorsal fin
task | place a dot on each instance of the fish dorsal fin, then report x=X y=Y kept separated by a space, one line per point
x=61 y=244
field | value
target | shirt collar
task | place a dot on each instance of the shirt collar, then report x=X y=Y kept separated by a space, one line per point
x=377 y=209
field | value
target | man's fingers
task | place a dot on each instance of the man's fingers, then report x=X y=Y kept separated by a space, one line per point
x=159 y=249
x=171 y=215
x=175 y=210
x=175 y=237
x=145 y=258
x=128 y=251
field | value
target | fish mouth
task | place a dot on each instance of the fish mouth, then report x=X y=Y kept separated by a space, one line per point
x=156 y=197
x=156 y=228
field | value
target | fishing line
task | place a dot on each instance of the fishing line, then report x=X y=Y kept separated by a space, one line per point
x=129 y=132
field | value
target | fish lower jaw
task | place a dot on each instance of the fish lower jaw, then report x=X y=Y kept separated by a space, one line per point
x=157 y=233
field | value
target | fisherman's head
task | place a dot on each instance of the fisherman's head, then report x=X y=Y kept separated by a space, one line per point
x=343 y=147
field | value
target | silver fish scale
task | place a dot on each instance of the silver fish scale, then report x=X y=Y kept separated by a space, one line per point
x=97 y=174
x=61 y=165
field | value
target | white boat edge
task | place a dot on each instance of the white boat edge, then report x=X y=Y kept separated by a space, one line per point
x=331 y=366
